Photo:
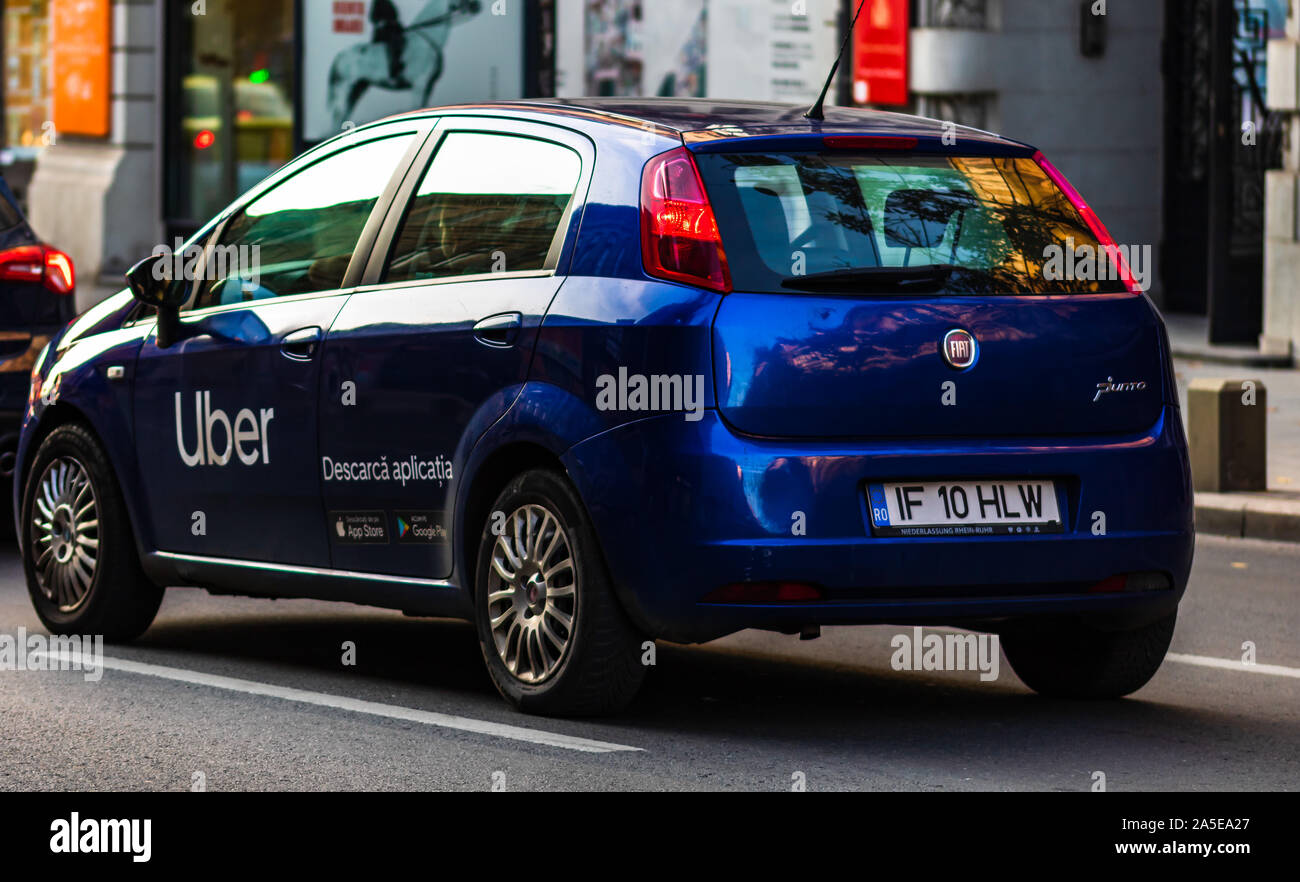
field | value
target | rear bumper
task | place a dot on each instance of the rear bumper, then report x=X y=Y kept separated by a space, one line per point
x=684 y=508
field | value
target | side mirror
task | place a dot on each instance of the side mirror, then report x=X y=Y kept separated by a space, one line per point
x=151 y=283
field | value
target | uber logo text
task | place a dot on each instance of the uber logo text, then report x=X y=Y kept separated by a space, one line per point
x=665 y=392
x=245 y=430
x=947 y=652
x=91 y=836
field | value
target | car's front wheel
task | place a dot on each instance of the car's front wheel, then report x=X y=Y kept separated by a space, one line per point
x=79 y=555
x=1079 y=661
x=553 y=636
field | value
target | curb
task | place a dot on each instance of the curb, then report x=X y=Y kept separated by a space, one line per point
x=1248 y=517
x=1239 y=355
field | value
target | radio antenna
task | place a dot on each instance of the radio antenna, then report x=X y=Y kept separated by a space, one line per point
x=816 y=112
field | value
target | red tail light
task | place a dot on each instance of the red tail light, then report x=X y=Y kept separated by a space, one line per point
x=59 y=274
x=1112 y=585
x=39 y=264
x=765 y=592
x=1094 y=223
x=679 y=233
x=869 y=142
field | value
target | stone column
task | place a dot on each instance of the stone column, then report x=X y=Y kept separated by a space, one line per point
x=1281 y=187
x=100 y=200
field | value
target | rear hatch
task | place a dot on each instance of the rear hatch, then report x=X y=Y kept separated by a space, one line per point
x=850 y=265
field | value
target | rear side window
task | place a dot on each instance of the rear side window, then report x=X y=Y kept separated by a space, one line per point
x=985 y=224
x=298 y=237
x=487 y=204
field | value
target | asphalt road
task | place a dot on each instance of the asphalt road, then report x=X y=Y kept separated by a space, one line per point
x=750 y=712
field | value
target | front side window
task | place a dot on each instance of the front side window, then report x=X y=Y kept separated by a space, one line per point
x=298 y=237
x=487 y=204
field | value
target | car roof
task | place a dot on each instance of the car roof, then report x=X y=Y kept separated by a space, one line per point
x=701 y=119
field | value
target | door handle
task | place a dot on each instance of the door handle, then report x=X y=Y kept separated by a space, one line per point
x=499 y=331
x=300 y=345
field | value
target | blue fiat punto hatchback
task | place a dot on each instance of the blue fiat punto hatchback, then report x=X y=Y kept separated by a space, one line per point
x=595 y=372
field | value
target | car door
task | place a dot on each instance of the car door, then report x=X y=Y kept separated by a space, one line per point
x=430 y=353
x=226 y=416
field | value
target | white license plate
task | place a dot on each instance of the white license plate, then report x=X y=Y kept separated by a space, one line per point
x=964 y=508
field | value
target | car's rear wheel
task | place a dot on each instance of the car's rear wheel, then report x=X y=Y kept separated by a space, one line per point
x=553 y=636
x=79 y=555
x=1079 y=661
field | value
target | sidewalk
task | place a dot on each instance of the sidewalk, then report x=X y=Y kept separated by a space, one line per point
x=1274 y=514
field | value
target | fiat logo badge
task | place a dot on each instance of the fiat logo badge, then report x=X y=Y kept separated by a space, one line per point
x=960 y=349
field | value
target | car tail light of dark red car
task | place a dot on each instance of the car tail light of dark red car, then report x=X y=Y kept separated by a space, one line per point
x=679 y=232
x=39 y=264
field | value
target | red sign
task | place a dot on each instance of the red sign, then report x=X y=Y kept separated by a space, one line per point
x=880 y=53
x=349 y=16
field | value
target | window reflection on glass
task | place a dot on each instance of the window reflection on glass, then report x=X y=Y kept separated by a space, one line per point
x=488 y=203
x=26 y=93
x=987 y=222
x=236 y=110
x=299 y=237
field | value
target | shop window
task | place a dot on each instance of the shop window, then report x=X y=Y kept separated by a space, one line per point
x=27 y=126
x=230 y=115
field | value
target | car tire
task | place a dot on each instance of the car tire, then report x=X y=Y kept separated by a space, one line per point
x=79 y=554
x=1084 y=662
x=553 y=636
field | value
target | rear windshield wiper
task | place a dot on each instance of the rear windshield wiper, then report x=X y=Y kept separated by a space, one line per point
x=875 y=279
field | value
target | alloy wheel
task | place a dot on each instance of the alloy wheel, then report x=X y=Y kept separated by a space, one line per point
x=532 y=594
x=65 y=533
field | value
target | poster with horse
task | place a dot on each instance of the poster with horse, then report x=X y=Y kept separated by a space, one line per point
x=366 y=59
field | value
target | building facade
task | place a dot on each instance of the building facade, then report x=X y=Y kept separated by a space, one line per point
x=1023 y=68
x=202 y=98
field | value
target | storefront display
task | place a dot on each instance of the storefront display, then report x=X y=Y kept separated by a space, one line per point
x=768 y=50
x=366 y=60
x=230 y=113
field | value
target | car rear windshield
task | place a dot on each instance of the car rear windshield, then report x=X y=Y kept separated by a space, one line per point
x=865 y=223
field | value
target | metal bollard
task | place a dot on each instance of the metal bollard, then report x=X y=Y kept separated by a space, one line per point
x=1227 y=423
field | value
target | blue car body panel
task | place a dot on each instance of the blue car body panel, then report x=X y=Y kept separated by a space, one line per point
x=683 y=503
x=724 y=503
x=839 y=367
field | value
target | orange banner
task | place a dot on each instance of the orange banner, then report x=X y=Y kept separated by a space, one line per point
x=81 y=66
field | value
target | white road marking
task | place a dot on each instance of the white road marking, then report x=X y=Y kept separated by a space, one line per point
x=1229 y=664
x=339 y=702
